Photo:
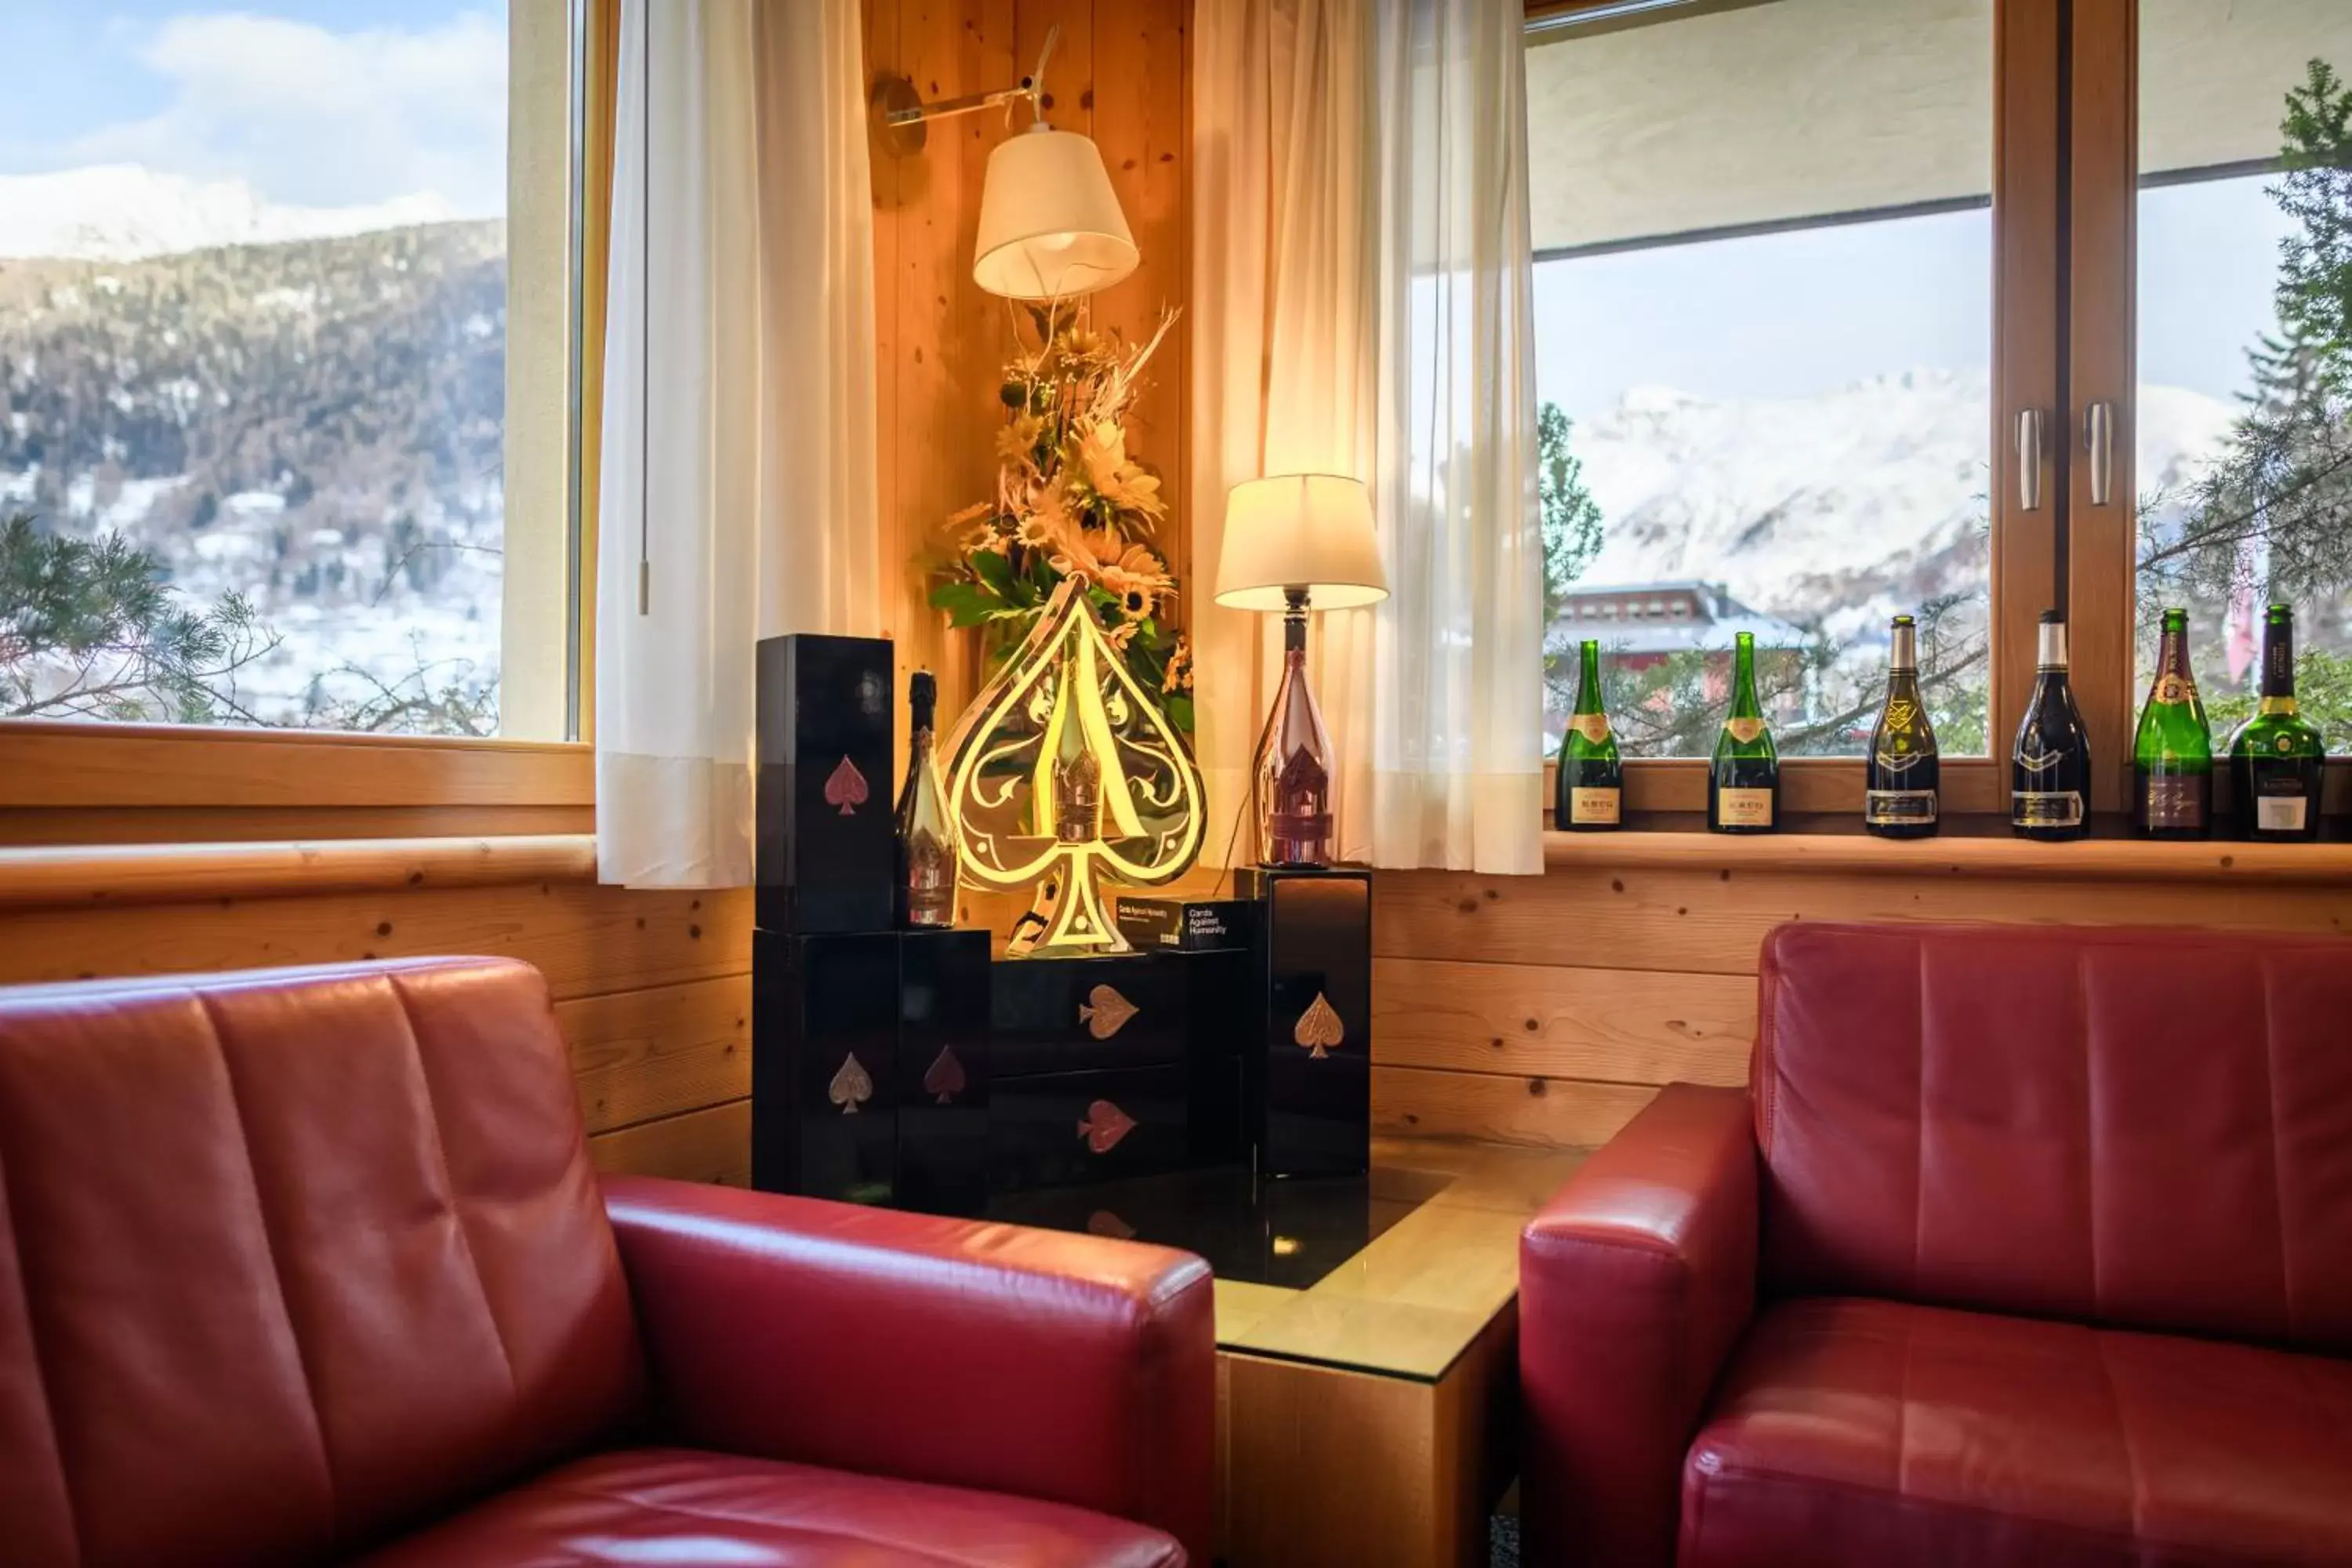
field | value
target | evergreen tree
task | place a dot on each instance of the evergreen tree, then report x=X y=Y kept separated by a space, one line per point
x=1571 y=517
x=88 y=629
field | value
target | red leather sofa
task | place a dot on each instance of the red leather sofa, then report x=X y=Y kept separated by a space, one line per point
x=312 y=1265
x=2026 y=1245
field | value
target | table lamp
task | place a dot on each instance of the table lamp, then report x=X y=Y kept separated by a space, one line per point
x=1296 y=542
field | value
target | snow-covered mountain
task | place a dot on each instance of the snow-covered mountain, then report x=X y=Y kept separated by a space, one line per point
x=119 y=211
x=1844 y=507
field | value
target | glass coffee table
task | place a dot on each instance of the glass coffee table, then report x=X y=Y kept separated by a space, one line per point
x=1367 y=1335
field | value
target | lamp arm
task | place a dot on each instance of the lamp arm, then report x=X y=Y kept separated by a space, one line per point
x=1031 y=87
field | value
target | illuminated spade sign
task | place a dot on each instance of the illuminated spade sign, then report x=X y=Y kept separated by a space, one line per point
x=1063 y=773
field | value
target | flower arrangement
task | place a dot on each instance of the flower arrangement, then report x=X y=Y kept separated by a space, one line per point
x=1071 y=503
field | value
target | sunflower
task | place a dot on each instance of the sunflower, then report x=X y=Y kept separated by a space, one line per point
x=1048 y=524
x=1016 y=442
x=1121 y=485
x=1136 y=580
x=1179 y=676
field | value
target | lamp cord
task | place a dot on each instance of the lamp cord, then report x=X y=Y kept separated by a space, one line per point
x=646 y=331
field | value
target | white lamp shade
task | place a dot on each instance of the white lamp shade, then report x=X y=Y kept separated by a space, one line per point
x=1300 y=530
x=1050 y=225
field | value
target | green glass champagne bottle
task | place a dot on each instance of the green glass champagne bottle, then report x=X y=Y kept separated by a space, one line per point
x=1589 y=792
x=2172 y=755
x=1743 y=786
x=2277 y=757
x=1900 y=779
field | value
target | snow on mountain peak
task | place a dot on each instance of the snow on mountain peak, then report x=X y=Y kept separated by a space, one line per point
x=120 y=212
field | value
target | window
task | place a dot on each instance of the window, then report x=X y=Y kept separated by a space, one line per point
x=283 y=347
x=1763 y=319
x=2244 y=467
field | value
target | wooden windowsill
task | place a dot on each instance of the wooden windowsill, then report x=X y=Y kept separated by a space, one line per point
x=120 y=876
x=1955 y=855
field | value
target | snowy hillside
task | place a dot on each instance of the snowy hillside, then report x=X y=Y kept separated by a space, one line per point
x=119 y=211
x=1845 y=508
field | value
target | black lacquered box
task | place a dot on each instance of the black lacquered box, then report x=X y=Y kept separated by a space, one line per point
x=825 y=1076
x=1058 y=1129
x=945 y=1071
x=825 y=838
x=1071 y=1014
x=1311 y=1092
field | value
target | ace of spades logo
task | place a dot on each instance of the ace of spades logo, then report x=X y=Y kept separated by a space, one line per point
x=851 y=1085
x=944 y=1078
x=1319 y=1027
x=846 y=788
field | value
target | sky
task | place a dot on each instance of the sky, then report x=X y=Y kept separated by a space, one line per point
x=312 y=102
x=1810 y=310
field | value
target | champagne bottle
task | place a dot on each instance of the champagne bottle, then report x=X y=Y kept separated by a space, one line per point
x=1743 y=785
x=2277 y=757
x=2050 y=767
x=1590 y=790
x=2172 y=755
x=1899 y=795
x=927 y=858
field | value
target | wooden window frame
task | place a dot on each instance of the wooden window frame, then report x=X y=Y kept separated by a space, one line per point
x=2064 y=205
x=91 y=782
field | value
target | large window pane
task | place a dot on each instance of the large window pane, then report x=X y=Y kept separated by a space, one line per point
x=253 y=353
x=2245 y=360
x=1763 y=305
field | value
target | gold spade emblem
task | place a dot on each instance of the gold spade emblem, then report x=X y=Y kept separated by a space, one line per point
x=850 y=1086
x=1320 y=1027
x=1105 y=1012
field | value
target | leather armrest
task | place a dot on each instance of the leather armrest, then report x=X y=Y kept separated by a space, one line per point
x=1071 y=1368
x=1635 y=1283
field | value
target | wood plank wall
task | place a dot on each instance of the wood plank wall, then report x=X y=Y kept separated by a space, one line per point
x=1548 y=1009
x=942 y=342
x=653 y=991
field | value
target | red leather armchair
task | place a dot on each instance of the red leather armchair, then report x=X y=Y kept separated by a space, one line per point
x=2026 y=1245
x=305 y=1266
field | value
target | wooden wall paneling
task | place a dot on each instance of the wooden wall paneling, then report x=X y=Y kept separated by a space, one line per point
x=584 y=938
x=641 y=1054
x=1563 y=1022
x=1137 y=100
x=1413 y=1102
x=712 y=1144
x=1713 y=922
x=2103 y=333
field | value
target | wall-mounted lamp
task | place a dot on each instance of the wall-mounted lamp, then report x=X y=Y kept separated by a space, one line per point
x=1050 y=224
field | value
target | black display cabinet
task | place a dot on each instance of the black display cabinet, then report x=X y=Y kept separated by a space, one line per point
x=823 y=837
x=946 y=1070
x=1309 y=1089
x=826 y=1079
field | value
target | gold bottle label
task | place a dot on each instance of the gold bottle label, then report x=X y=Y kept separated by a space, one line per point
x=1744 y=730
x=1898 y=807
x=1594 y=805
x=1744 y=808
x=2045 y=808
x=2175 y=802
x=1594 y=727
x=2172 y=690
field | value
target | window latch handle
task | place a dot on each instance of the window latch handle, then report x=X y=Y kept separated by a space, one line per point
x=2099 y=441
x=2029 y=459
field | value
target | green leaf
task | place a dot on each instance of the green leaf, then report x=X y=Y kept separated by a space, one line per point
x=966 y=604
x=994 y=570
x=1179 y=708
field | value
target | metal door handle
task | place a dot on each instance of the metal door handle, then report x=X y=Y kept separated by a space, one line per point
x=2099 y=441
x=2029 y=459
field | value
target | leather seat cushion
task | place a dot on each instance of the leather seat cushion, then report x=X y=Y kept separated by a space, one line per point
x=1850 y=1431
x=681 y=1506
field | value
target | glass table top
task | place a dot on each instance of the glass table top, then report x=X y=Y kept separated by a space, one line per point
x=1395 y=1272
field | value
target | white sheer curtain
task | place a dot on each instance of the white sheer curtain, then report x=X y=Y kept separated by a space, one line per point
x=1458 y=717
x=1361 y=305
x=737 y=497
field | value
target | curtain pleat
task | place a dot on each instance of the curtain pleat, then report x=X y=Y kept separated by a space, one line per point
x=1362 y=306
x=738 y=464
